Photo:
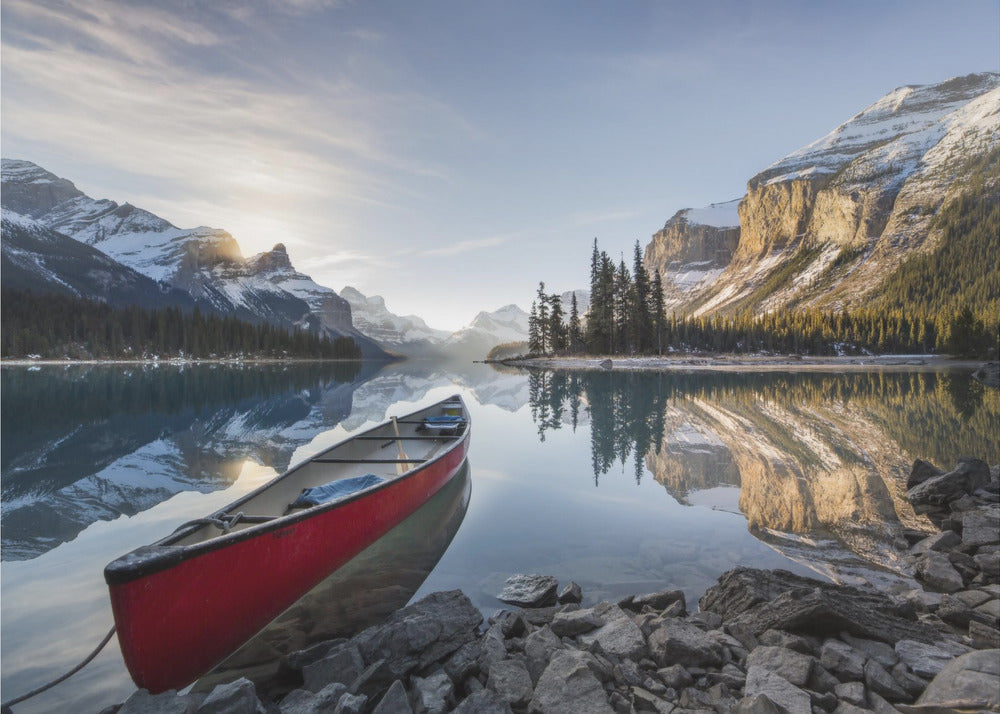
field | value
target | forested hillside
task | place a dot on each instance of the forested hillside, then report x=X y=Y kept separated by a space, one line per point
x=58 y=327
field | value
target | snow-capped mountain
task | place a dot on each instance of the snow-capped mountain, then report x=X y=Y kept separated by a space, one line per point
x=826 y=224
x=407 y=335
x=486 y=331
x=37 y=258
x=205 y=262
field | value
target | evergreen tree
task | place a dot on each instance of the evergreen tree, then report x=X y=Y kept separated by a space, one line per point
x=544 y=343
x=658 y=309
x=557 y=330
x=575 y=332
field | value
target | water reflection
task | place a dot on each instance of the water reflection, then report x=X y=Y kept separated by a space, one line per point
x=81 y=445
x=377 y=582
x=818 y=454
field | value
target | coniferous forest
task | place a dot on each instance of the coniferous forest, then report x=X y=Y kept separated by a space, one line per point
x=59 y=327
x=944 y=301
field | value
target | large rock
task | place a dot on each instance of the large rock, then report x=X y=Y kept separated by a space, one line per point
x=420 y=634
x=529 y=590
x=539 y=647
x=659 y=601
x=576 y=622
x=342 y=664
x=776 y=688
x=679 y=642
x=620 y=636
x=922 y=471
x=937 y=573
x=842 y=659
x=394 y=701
x=510 y=679
x=568 y=686
x=972 y=679
x=142 y=702
x=762 y=599
x=792 y=665
x=938 y=491
x=484 y=701
x=925 y=660
x=981 y=526
x=239 y=697
x=433 y=694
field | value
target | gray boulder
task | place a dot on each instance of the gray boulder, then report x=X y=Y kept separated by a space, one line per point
x=679 y=642
x=572 y=593
x=433 y=694
x=394 y=701
x=351 y=704
x=619 y=636
x=881 y=682
x=938 y=491
x=239 y=697
x=923 y=659
x=981 y=526
x=539 y=647
x=484 y=701
x=843 y=660
x=510 y=679
x=659 y=601
x=576 y=622
x=793 y=666
x=776 y=688
x=142 y=702
x=529 y=590
x=922 y=471
x=420 y=634
x=342 y=664
x=882 y=653
x=568 y=686
x=761 y=600
x=972 y=679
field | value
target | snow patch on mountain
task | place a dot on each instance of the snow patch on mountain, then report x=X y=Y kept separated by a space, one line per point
x=720 y=215
x=406 y=334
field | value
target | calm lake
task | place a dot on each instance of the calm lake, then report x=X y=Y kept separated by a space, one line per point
x=621 y=482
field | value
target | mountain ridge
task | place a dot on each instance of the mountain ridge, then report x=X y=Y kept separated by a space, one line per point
x=204 y=262
x=826 y=225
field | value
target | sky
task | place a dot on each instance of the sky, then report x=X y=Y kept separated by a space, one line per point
x=449 y=155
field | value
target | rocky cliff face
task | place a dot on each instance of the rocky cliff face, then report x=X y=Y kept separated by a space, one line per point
x=693 y=248
x=826 y=224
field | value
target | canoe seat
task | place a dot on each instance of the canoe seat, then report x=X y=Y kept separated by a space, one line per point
x=334 y=490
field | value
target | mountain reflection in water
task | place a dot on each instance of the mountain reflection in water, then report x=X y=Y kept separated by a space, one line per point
x=818 y=455
x=85 y=444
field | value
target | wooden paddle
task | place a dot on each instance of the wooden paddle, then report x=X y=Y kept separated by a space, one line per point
x=400 y=468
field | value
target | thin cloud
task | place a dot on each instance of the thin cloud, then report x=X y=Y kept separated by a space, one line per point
x=466 y=246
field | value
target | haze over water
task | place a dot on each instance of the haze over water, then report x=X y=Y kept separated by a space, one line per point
x=622 y=482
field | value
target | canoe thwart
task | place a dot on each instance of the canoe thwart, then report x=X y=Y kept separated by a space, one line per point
x=226 y=521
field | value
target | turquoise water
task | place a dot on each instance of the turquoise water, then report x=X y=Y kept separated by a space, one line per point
x=622 y=482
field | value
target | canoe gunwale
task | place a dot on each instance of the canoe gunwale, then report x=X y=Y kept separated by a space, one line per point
x=164 y=554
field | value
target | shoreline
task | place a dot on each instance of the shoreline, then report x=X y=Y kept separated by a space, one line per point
x=741 y=363
x=178 y=361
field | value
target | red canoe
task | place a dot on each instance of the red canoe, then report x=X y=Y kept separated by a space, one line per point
x=184 y=603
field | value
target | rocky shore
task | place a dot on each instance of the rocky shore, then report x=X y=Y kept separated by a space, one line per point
x=761 y=642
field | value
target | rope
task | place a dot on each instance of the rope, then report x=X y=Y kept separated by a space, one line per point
x=107 y=638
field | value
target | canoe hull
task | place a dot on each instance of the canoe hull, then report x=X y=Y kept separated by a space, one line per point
x=177 y=623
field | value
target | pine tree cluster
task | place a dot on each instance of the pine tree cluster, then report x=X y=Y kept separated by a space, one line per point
x=58 y=327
